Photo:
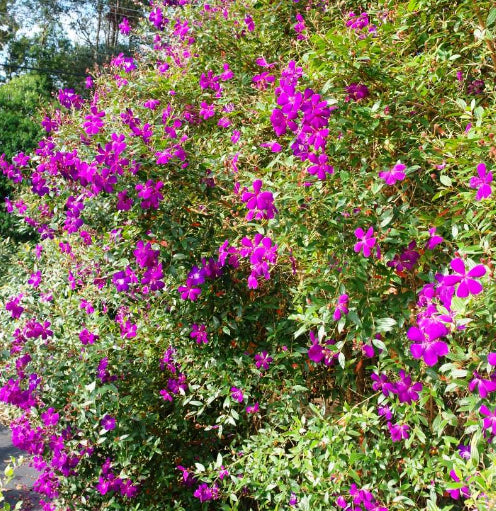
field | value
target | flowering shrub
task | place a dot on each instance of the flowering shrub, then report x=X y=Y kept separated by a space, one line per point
x=265 y=271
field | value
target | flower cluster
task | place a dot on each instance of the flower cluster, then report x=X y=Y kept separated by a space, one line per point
x=260 y=204
x=307 y=116
x=360 y=499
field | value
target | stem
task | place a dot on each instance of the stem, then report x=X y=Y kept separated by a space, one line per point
x=489 y=44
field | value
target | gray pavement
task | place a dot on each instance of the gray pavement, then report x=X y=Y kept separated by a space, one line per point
x=20 y=488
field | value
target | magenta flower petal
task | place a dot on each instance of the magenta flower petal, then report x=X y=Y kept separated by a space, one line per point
x=477 y=271
x=458 y=265
x=463 y=290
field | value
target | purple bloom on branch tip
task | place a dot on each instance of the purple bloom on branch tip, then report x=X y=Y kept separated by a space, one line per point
x=50 y=417
x=366 y=241
x=188 y=292
x=398 y=432
x=108 y=422
x=406 y=390
x=259 y=203
x=293 y=499
x=237 y=394
x=199 y=333
x=433 y=240
x=490 y=420
x=356 y=92
x=465 y=280
x=86 y=337
x=368 y=350
x=35 y=279
x=484 y=387
x=426 y=345
x=491 y=358
x=250 y=25
x=456 y=493
x=320 y=166
x=385 y=412
x=382 y=383
x=252 y=408
x=397 y=173
x=482 y=182
x=341 y=307
x=124 y=26
x=464 y=451
x=205 y=493
x=263 y=360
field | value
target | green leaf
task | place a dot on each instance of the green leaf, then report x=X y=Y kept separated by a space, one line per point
x=445 y=180
x=385 y=324
x=491 y=18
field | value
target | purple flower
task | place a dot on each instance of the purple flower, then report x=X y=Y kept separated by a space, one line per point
x=275 y=147
x=250 y=25
x=86 y=337
x=341 y=307
x=262 y=80
x=398 y=432
x=397 y=173
x=188 y=292
x=237 y=394
x=466 y=283
x=108 y=422
x=293 y=499
x=263 y=360
x=124 y=26
x=166 y=395
x=14 y=308
x=356 y=92
x=426 y=345
x=128 y=330
x=385 y=412
x=152 y=279
x=482 y=183
x=205 y=493
x=260 y=204
x=252 y=408
x=476 y=87
x=150 y=193
x=121 y=281
x=320 y=168
x=490 y=420
x=483 y=386
x=224 y=122
x=50 y=417
x=227 y=74
x=35 y=279
x=94 y=121
x=406 y=390
x=491 y=358
x=368 y=350
x=206 y=110
x=382 y=383
x=145 y=256
x=433 y=240
x=199 y=333
x=456 y=493
x=196 y=276
x=318 y=352
x=366 y=241
x=464 y=451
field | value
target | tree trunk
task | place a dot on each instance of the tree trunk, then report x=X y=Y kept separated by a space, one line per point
x=98 y=28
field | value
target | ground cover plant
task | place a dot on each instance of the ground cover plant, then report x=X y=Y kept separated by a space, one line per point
x=265 y=274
